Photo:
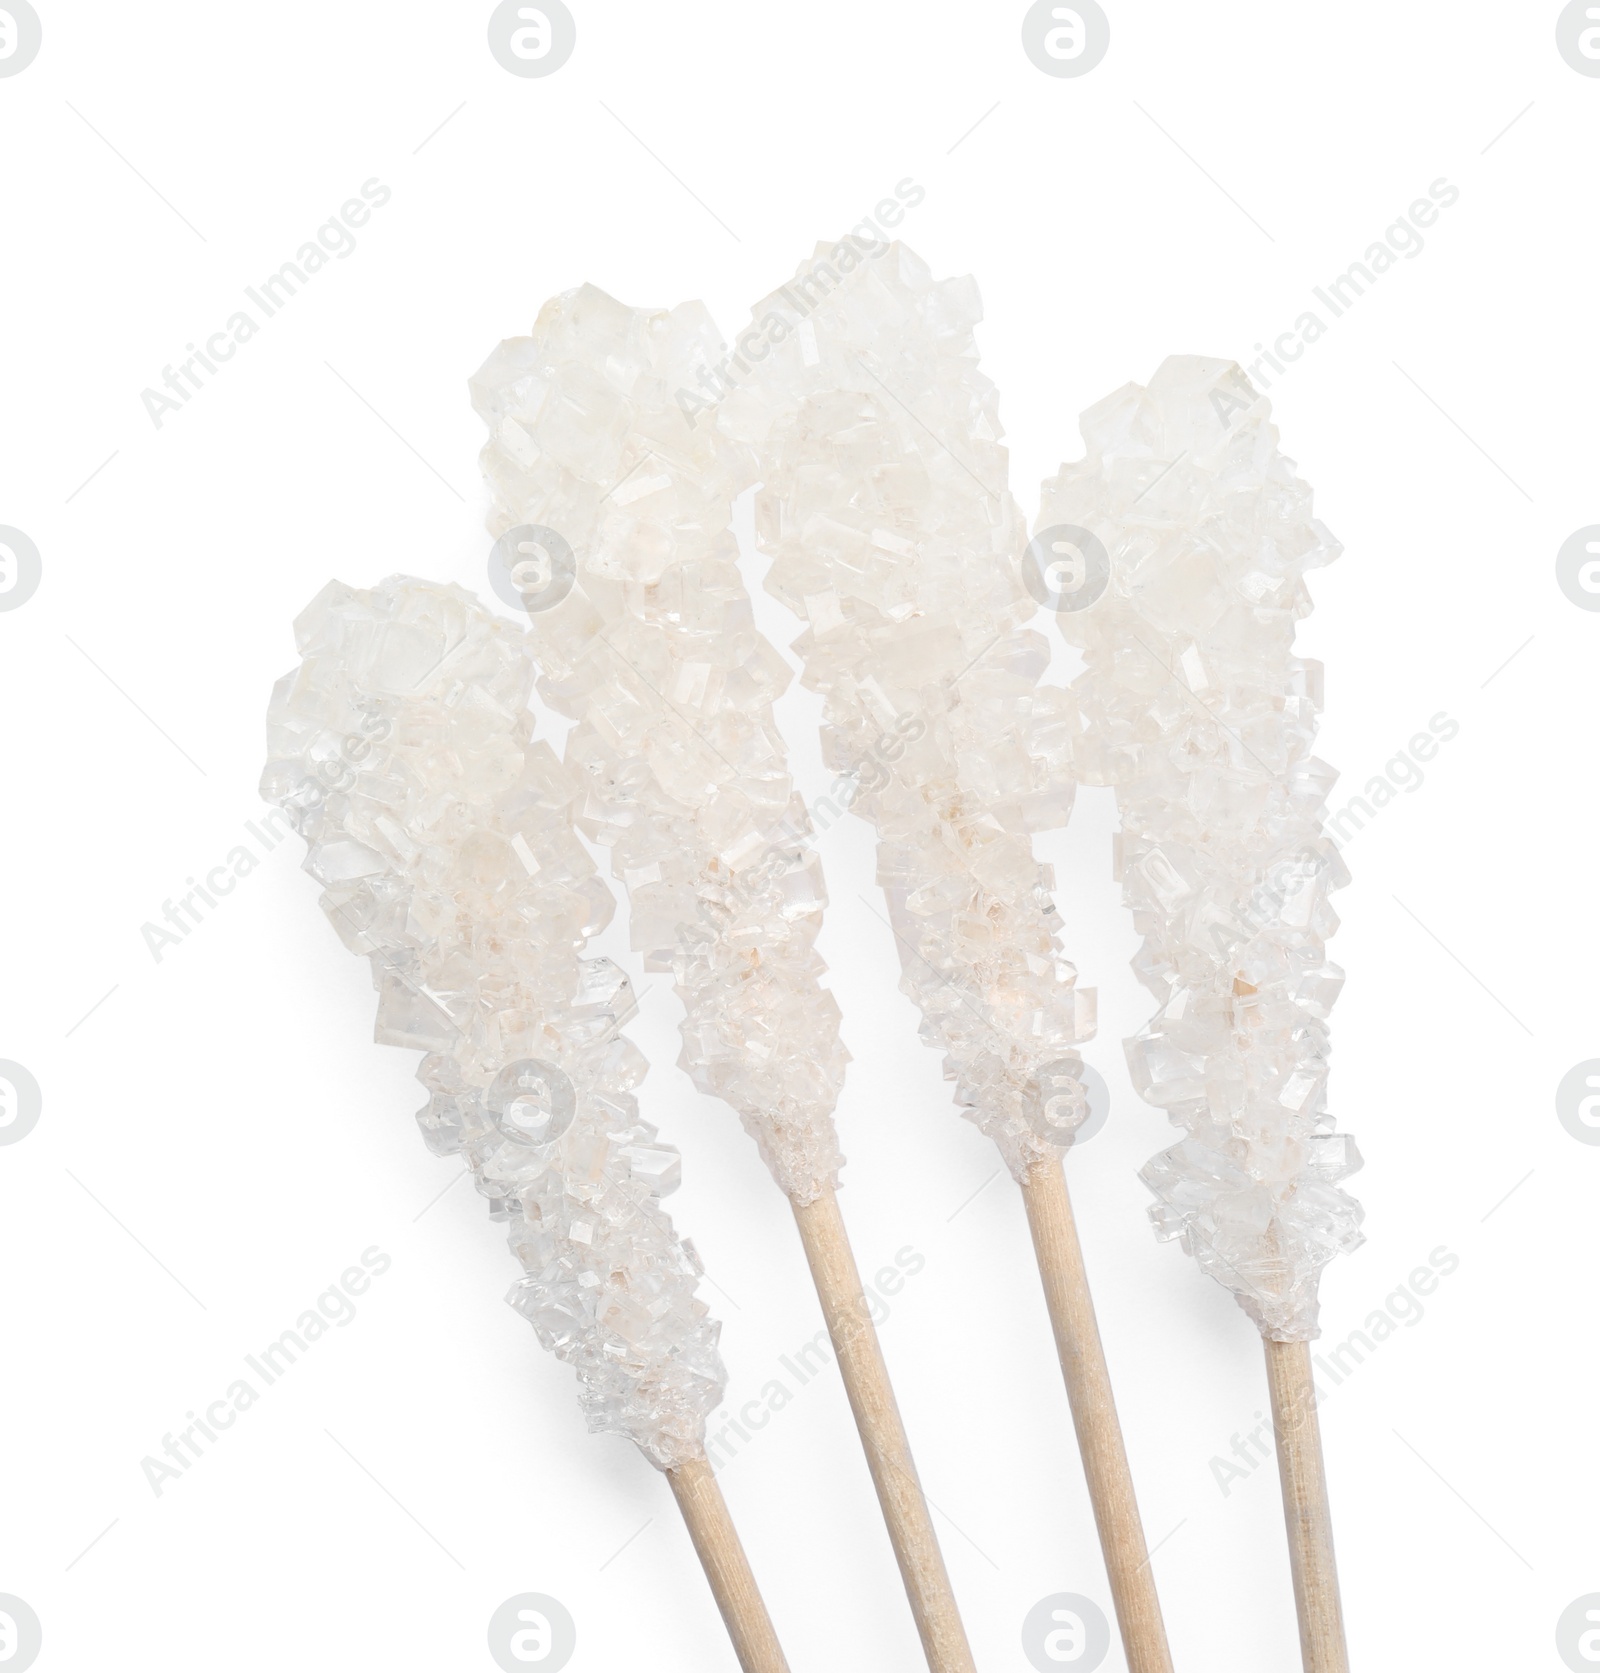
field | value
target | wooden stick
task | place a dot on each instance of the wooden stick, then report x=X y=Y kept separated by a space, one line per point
x=716 y=1542
x=1305 y=1507
x=1094 y=1416
x=883 y=1435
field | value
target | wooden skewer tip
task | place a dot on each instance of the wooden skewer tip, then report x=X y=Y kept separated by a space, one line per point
x=883 y=1435
x=1305 y=1507
x=1094 y=1416
x=716 y=1542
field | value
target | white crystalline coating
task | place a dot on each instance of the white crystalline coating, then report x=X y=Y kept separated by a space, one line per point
x=656 y=656
x=1198 y=711
x=403 y=750
x=885 y=511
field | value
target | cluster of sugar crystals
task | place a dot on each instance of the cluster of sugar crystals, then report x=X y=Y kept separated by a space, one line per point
x=655 y=655
x=884 y=509
x=1197 y=710
x=441 y=831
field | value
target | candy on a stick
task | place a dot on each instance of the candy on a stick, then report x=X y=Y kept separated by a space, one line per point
x=1182 y=541
x=650 y=644
x=885 y=510
x=441 y=831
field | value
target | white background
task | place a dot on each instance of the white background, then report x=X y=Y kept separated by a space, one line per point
x=242 y=1139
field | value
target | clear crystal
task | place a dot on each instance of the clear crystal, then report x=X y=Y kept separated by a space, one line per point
x=885 y=511
x=443 y=831
x=656 y=656
x=1198 y=711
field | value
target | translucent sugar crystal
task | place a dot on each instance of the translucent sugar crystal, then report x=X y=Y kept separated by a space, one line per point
x=885 y=511
x=441 y=830
x=1196 y=708
x=655 y=654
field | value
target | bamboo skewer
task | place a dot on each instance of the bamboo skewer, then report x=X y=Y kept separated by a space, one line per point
x=1094 y=1416
x=898 y=555
x=529 y=1128
x=716 y=1543
x=1224 y=859
x=883 y=1436
x=657 y=658
x=1305 y=1507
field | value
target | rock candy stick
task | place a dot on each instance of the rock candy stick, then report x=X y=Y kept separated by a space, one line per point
x=1185 y=536
x=441 y=831
x=885 y=511
x=648 y=641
